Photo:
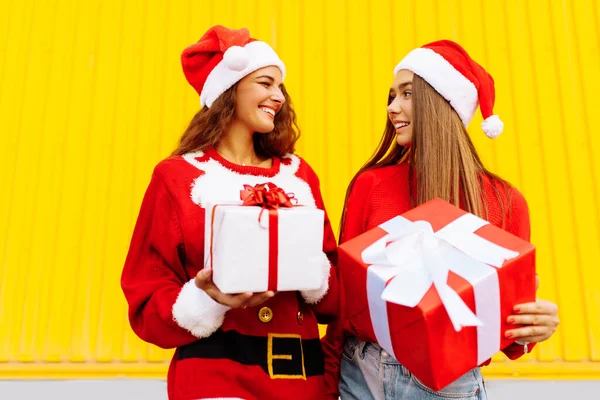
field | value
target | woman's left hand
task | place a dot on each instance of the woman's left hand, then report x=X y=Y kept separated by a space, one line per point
x=540 y=320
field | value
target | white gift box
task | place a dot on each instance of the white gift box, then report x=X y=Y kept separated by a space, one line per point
x=237 y=246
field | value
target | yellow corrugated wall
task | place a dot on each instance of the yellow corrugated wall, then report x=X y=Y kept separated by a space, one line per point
x=92 y=97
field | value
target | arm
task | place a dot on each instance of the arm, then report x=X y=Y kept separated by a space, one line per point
x=325 y=300
x=354 y=225
x=166 y=308
x=539 y=318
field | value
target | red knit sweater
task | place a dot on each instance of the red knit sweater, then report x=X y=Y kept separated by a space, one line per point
x=383 y=193
x=222 y=352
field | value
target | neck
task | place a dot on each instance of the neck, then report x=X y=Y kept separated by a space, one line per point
x=237 y=146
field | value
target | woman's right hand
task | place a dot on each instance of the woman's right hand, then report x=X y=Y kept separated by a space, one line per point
x=241 y=300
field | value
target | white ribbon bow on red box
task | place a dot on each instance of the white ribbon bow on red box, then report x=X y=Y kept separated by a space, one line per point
x=412 y=257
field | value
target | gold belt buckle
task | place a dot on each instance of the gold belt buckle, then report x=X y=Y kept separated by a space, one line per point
x=271 y=356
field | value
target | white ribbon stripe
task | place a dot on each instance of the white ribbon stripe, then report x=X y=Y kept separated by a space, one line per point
x=416 y=257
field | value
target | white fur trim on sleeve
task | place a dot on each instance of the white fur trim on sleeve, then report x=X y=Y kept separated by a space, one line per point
x=314 y=296
x=197 y=312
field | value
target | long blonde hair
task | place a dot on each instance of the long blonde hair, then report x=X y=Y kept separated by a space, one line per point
x=441 y=156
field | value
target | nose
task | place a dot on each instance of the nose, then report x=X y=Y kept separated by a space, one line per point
x=278 y=96
x=394 y=107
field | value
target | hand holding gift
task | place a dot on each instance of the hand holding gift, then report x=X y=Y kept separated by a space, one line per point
x=540 y=320
x=204 y=281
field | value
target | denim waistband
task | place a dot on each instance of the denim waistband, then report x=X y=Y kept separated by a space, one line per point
x=372 y=349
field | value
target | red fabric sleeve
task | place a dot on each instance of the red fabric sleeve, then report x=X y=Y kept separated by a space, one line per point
x=356 y=207
x=354 y=225
x=333 y=346
x=153 y=275
x=329 y=306
x=518 y=218
x=519 y=225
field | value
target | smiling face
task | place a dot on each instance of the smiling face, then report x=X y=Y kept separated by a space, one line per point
x=258 y=99
x=400 y=107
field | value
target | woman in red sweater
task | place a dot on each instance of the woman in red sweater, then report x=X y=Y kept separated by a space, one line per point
x=249 y=345
x=425 y=153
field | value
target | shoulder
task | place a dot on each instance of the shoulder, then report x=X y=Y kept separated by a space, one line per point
x=496 y=187
x=519 y=209
x=516 y=198
x=175 y=163
x=178 y=170
x=301 y=168
x=506 y=205
x=377 y=177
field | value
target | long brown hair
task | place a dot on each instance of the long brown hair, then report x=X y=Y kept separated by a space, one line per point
x=442 y=156
x=209 y=124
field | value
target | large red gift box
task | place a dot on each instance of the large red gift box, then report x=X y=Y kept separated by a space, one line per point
x=434 y=288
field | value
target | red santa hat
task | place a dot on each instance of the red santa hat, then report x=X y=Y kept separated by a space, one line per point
x=221 y=58
x=448 y=68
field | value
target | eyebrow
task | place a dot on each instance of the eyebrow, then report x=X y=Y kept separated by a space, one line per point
x=403 y=85
x=266 y=76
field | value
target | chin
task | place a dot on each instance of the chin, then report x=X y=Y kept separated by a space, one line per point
x=264 y=128
x=403 y=141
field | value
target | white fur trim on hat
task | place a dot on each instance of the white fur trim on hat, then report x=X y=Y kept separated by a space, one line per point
x=492 y=126
x=445 y=79
x=197 y=312
x=236 y=58
x=236 y=64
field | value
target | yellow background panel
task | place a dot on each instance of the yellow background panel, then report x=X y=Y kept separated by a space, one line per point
x=92 y=97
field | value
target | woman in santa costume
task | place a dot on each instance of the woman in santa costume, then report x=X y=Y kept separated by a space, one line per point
x=249 y=345
x=426 y=153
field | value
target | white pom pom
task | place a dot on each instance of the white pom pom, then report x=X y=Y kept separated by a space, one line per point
x=492 y=126
x=236 y=58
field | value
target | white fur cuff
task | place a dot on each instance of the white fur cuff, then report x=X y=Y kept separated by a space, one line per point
x=314 y=296
x=197 y=312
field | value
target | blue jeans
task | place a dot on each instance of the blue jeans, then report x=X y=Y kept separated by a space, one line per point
x=369 y=373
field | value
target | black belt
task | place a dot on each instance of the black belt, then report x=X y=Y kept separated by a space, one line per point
x=286 y=356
